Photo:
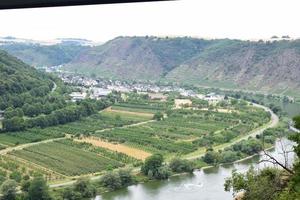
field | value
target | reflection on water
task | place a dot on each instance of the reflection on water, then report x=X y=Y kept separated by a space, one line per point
x=204 y=184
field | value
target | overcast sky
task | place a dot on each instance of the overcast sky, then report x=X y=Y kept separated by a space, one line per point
x=241 y=19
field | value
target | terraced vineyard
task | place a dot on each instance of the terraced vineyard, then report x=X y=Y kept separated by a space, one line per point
x=32 y=135
x=146 y=107
x=17 y=168
x=103 y=120
x=93 y=149
x=183 y=131
x=66 y=159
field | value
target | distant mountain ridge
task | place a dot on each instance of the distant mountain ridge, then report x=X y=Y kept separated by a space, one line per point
x=272 y=66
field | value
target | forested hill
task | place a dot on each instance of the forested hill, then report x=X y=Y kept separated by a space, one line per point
x=268 y=66
x=272 y=66
x=18 y=78
x=137 y=57
x=39 y=55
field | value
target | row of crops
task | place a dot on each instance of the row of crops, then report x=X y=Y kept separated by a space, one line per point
x=29 y=136
x=147 y=107
x=87 y=125
x=178 y=133
x=18 y=170
x=103 y=120
x=70 y=158
x=65 y=159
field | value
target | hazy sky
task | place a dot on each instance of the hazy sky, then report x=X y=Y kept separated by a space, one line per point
x=243 y=19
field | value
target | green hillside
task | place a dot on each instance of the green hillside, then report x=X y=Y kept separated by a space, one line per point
x=44 y=55
x=270 y=66
x=17 y=77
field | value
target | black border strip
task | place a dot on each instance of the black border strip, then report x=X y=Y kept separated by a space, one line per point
x=14 y=4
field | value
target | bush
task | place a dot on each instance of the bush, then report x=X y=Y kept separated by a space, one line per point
x=111 y=180
x=178 y=165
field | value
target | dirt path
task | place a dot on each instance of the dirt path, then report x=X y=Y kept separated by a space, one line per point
x=54 y=86
x=109 y=109
x=130 y=151
x=125 y=126
x=22 y=146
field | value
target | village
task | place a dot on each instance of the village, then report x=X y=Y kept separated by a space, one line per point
x=96 y=89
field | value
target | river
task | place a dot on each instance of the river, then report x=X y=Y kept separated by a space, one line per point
x=204 y=184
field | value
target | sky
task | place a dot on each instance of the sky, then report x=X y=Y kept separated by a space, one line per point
x=236 y=19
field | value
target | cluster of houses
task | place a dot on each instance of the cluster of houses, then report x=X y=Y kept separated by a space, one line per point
x=96 y=89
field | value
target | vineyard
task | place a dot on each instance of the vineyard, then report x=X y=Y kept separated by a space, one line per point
x=143 y=107
x=67 y=159
x=32 y=135
x=183 y=130
x=115 y=138
x=18 y=169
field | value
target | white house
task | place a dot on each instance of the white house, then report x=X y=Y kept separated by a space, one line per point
x=179 y=103
x=78 y=96
x=212 y=98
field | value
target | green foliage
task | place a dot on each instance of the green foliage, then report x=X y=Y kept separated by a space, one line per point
x=84 y=187
x=179 y=165
x=8 y=190
x=38 y=189
x=154 y=168
x=158 y=116
x=66 y=159
x=111 y=180
x=264 y=184
x=211 y=157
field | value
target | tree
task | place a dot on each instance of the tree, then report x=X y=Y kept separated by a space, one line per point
x=264 y=184
x=158 y=116
x=179 y=165
x=9 y=190
x=13 y=124
x=111 y=180
x=152 y=164
x=125 y=177
x=85 y=188
x=211 y=157
x=38 y=189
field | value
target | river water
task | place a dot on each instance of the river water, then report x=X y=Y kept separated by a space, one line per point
x=204 y=184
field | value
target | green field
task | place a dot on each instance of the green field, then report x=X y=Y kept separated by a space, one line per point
x=66 y=159
x=146 y=107
x=29 y=136
x=181 y=131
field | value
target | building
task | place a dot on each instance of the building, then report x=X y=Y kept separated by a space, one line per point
x=212 y=98
x=1 y=114
x=157 y=96
x=179 y=103
x=78 y=96
x=100 y=92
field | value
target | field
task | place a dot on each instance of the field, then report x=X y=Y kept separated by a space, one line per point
x=181 y=131
x=32 y=135
x=141 y=107
x=66 y=159
x=100 y=121
x=132 y=152
x=126 y=134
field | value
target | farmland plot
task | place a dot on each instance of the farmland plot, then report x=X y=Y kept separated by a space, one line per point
x=66 y=159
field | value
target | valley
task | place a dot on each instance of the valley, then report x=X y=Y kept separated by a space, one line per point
x=70 y=127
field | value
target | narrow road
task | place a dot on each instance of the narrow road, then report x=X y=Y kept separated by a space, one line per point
x=54 y=86
x=125 y=126
x=22 y=146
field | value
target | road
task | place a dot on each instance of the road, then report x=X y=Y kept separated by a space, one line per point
x=22 y=146
x=54 y=86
